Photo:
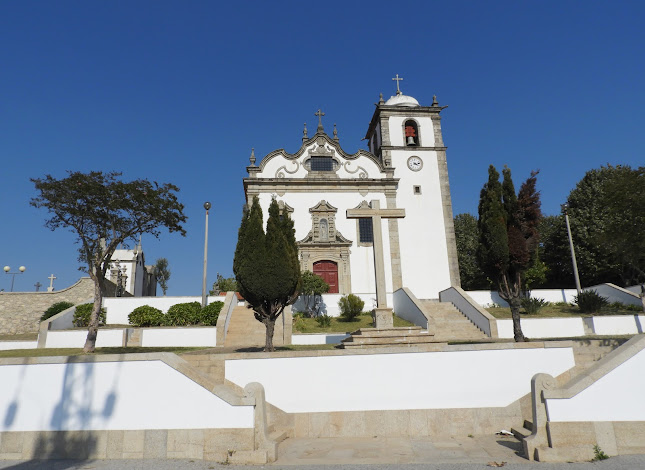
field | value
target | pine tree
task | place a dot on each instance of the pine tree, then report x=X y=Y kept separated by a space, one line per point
x=266 y=265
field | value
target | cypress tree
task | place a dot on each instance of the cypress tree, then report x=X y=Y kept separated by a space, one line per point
x=266 y=265
x=508 y=235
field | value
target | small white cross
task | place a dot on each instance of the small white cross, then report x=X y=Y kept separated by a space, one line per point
x=51 y=283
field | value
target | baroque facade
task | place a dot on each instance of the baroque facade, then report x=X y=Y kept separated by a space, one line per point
x=405 y=168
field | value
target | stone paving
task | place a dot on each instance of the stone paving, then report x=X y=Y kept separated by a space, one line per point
x=330 y=451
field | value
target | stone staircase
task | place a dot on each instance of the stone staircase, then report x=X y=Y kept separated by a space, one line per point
x=585 y=353
x=244 y=331
x=383 y=337
x=449 y=323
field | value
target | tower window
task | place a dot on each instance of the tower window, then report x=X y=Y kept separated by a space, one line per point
x=416 y=189
x=365 y=231
x=411 y=133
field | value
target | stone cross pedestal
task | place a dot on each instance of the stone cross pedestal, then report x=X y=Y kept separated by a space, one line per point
x=382 y=313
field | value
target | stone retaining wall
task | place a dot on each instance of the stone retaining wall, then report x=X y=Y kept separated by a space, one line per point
x=20 y=312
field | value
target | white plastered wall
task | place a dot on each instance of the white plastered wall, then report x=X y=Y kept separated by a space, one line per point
x=617 y=396
x=110 y=396
x=424 y=252
x=460 y=379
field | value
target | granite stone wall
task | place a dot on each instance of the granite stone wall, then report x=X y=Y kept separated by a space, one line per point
x=20 y=312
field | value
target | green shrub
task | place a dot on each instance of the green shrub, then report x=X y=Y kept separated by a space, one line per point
x=208 y=315
x=598 y=454
x=533 y=305
x=622 y=306
x=323 y=320
x=590 y=301
x=83 y=313
x=183 y=314
x=350 y=306
x=55 y=309
x=145 y=315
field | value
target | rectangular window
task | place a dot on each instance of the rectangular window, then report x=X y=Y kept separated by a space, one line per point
x=417 y=189
x=365 y=231
x=322 y=164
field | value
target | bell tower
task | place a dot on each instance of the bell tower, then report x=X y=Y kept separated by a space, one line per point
x=406 y=137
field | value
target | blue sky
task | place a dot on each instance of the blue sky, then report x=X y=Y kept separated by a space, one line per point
x=180 y=91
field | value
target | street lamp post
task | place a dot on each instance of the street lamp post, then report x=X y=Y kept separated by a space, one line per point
x=565 y=210
x=207 y=206
x=7 y=270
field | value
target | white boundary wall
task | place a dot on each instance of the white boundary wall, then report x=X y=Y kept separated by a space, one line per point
x=432 y=380
x=110 y=396
x=117 y=309
x=317 y=338
x=618 y=324
x=486 y=298
x=617 y=396
x=76 y=338
x=7 y=345
x=543 y=327
x=406 y=306
x=179 y=337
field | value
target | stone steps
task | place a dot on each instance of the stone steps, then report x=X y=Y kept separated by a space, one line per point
x=383 y=337
x=586 y=353
x=449 y=323
x=245 y=331
x=523 y=432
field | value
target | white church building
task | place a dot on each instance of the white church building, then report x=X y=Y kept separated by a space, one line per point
x=405 y=168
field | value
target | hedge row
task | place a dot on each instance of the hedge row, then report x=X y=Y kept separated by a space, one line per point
x=190 y=313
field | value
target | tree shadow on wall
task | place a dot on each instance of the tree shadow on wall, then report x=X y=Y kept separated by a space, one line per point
x=75 y=409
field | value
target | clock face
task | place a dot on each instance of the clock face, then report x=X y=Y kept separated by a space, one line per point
x=414 y=163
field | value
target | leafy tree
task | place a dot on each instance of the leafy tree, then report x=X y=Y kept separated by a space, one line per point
x=103 y=212
x=223 y=284
x=313 y=286
x=472 y=276
x=607 y=220
x=508 y=234
x=162 y=272
x=266 y=266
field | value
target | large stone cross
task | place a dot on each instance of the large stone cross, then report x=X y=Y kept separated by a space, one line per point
x=383 y=314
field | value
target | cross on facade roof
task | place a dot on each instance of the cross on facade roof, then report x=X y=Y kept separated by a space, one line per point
x=320 y=114
x=51 y=283
x=383 y=314
x=397 y=80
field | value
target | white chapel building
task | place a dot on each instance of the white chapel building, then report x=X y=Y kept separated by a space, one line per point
x=405 y=168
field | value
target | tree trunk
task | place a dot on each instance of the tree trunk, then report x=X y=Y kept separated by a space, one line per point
x=90 y=342
x=515 y=305
x=642 y=296
x=270 y=325
x=510 y=292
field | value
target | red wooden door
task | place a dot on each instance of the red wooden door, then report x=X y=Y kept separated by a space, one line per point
x=328 y=270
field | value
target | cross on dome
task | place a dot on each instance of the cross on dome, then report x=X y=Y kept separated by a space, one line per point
x=397 y=80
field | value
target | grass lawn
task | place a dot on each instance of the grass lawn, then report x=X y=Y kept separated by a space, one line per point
x=340 y=325
x=561 y=310
x=79 y=351
x=20 y=337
